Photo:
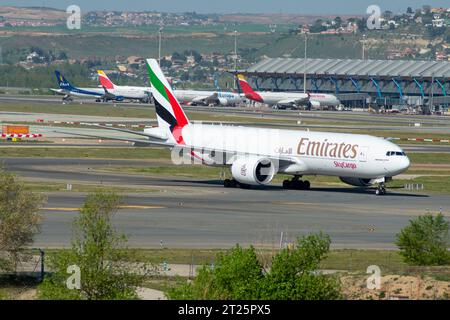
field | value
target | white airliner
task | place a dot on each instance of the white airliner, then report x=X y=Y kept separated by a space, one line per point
x=194 y=97
x=127 y=92
x=293 y=99
x=256 y=155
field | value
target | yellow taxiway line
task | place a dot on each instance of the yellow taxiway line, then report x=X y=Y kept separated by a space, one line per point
x=137 y=207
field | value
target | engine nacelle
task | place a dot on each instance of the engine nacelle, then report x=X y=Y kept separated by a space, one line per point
x=358 y=182
x=253 y=170
x=223 y=101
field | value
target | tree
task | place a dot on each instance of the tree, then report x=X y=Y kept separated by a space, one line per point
x=19 y=220
x=294 y=276
x=98 y=250
x=239 y=275
x=425 y=241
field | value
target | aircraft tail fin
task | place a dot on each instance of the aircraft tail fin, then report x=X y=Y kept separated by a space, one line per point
x=104 y=80
x=62 y=82
x=169 y=113
x=247 y=89
x=216 y=82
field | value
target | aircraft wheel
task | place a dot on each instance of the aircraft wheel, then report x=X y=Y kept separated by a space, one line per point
x=299 y=185
x=286 y=184
x=307 y=185
x=227 y=183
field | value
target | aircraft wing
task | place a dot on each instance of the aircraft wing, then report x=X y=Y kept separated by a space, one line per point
x=296 y=101
x=141 y=142
x=157 y=135
x=204 y=98
x=59 y=91
x=196 y=151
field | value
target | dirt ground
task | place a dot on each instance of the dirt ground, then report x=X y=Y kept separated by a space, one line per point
x=396 y=287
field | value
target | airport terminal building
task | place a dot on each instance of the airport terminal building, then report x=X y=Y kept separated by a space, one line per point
x=390 y=83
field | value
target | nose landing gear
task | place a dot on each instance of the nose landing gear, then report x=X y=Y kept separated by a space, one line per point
x=381 y=189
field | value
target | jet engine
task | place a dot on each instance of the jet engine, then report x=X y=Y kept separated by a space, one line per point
x=312 y=105
x=253 y=170
x=222 y=101
x=358 y=182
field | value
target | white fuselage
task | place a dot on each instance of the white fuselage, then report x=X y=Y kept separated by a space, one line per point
x=306 y=153
x=220 y=97
x=325 y=100
x=130 y=92
x=279 y=98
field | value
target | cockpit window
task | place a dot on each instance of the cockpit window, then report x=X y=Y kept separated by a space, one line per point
x=395 y=153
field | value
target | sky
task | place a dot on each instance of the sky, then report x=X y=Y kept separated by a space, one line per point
x=236 y=6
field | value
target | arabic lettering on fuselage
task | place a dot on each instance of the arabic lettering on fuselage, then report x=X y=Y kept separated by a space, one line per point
x=283 y=150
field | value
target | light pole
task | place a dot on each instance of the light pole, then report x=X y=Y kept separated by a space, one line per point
x=159 y=46
x=304 y=63
x=364 y=47
x=235 y=50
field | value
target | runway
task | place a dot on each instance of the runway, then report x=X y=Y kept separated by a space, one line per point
x=193 y=213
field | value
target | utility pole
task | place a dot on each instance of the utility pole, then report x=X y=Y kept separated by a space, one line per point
x=235 y=50
x=305 y=63
x=160 y=40
x=364 y=47
x=432 y=95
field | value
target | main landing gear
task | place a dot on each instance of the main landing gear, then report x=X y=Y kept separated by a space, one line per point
x=381 y=189
x=296 y=184
x=231 y=183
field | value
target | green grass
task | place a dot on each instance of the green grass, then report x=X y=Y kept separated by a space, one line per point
x=439 y=184
x=85 y=188
x=105 y=110
x=359 y=260
x=173 y=256
x=429 y=158
x=173 y=170
x=356 y=261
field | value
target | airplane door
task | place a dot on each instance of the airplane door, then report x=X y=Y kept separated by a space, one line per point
x=363 y=153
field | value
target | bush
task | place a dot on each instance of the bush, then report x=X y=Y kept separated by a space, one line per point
x=19 y=220
x=239 y=275
x=97 y=249
x=425 y=241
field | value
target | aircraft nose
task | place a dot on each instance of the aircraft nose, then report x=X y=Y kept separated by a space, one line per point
x=406 y=163
x=402 y=164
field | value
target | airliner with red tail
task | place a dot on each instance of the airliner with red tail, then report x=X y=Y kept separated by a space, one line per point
x=142 y=94
x=292 y=99
x=255 y=155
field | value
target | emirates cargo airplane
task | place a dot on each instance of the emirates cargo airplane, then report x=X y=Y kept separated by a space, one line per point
x=283 y=99
x=256 y=155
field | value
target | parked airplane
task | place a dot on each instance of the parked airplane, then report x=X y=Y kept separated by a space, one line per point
x=127 y=92
x=194 y=97
x=69 y=91
x=288 y=99
x=256 y=155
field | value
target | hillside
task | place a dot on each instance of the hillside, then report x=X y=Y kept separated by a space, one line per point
x=32 y=13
